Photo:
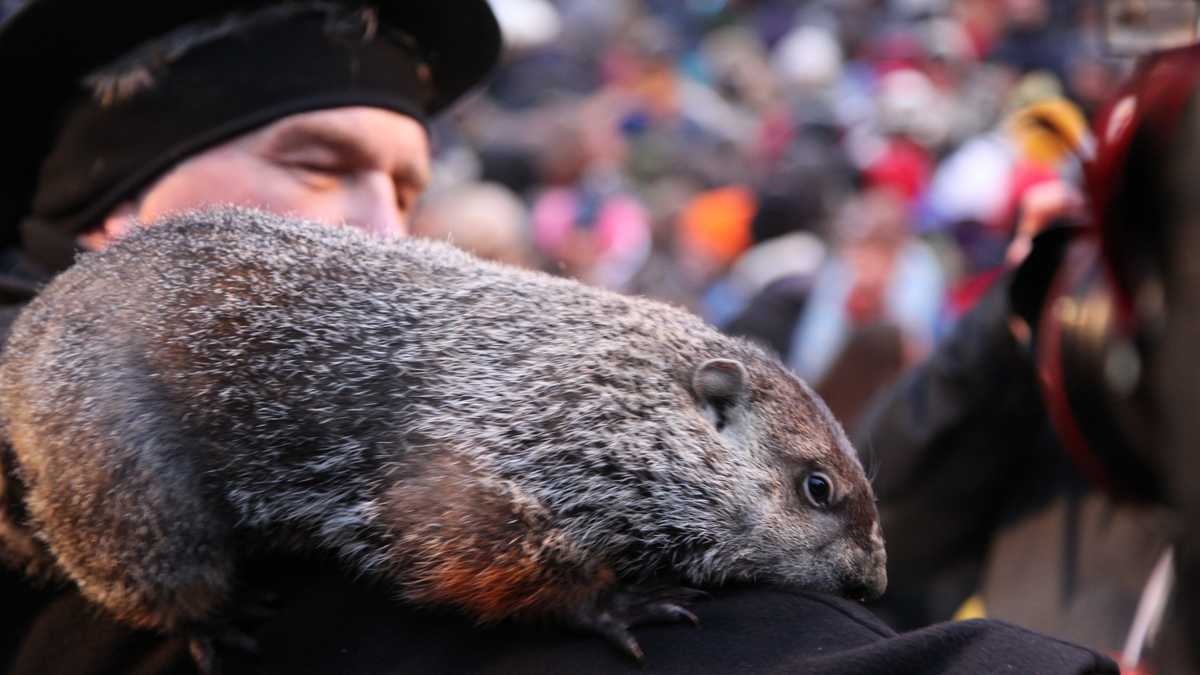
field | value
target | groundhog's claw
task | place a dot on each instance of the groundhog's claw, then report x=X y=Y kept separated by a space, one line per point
x=203 y=646
x=614 y=614
x=625 y=641
x=204 y=654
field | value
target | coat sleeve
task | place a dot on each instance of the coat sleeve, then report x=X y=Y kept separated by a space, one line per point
x=327 y=624
x=950 y=443
x=962 y=444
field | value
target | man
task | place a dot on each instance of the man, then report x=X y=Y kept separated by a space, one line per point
x=318 y=109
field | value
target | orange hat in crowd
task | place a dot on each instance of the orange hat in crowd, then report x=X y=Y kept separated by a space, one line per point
x=716 y=223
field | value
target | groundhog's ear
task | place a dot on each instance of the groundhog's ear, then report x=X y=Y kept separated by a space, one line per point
x=719 y=384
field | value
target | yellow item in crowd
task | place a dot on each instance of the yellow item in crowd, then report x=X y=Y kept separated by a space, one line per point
x=972 y=608
x=1049 y=131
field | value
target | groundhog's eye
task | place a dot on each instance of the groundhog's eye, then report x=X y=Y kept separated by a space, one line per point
x=818 y=488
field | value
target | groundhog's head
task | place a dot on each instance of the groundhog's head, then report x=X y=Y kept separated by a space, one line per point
x=804 y=511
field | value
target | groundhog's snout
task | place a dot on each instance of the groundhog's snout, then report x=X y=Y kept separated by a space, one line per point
x=877 y=577
x=869 y=585
x=869 y=579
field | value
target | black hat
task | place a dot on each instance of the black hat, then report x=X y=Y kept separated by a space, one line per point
x=49 y=46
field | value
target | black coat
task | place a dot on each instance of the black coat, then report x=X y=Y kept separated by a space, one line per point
x=964 y=440
x=327 y=623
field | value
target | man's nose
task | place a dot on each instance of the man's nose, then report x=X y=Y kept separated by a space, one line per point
x=373 y=207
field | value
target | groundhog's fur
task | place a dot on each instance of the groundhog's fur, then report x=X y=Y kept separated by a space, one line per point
x=498 y=440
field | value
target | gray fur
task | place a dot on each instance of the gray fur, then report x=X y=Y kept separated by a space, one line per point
x=496 y=439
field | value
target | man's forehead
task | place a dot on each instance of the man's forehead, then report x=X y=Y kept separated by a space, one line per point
x=350 y=123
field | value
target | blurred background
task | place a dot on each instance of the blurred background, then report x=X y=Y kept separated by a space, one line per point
x=870 y=165
x=842 y=181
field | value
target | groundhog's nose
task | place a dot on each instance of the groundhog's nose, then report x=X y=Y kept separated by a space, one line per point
x=878 y=582
x=877 y=564
x=869 y=580
x=867 y=587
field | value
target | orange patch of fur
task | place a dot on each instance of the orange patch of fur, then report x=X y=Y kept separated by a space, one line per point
x=471 y=546
x=511 y=586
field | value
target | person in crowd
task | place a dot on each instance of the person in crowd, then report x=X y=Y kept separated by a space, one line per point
x=486 y=219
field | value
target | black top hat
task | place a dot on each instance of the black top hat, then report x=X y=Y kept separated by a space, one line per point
x=49 y=46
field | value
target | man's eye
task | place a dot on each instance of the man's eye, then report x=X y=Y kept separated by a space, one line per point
x=313 y=167
x=317 y=174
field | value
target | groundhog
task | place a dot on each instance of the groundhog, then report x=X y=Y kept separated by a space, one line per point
x=498 y=440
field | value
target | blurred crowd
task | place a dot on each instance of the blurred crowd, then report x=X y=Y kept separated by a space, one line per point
x=839 y=179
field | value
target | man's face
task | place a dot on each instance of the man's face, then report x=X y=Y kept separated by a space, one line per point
x=356 y=166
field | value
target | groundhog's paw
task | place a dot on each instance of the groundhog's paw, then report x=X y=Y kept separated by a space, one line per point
x=613 y=614
x=204 y=644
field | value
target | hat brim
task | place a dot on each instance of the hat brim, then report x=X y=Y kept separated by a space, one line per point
x=48 y=46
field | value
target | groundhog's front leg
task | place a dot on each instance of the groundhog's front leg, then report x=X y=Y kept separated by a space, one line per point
x=226 y=629
x=611 y=614
x=468 y=539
